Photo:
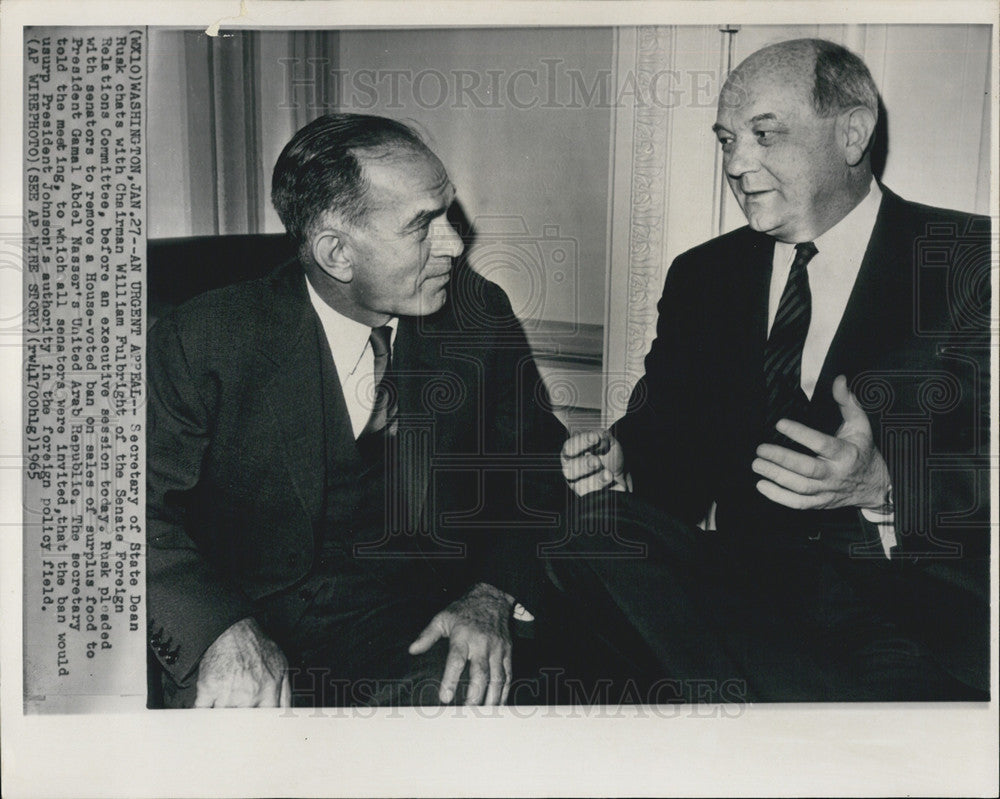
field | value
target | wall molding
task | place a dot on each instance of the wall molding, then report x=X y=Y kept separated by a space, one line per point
x=640 y=154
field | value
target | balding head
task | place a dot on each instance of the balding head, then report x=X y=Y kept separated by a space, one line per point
x=795 y=122
x=832 y=76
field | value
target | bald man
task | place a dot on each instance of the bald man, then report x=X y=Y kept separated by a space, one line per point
x=804 y=459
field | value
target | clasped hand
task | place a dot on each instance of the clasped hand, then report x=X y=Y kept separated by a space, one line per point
x=847 y=470
x=592 y=461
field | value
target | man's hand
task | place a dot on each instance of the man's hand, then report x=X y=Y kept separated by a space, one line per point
x=848 y=472
x=243 y=668
x=592 y=461
x=478 y=629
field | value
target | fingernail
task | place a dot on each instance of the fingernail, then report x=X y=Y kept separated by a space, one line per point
x=446 y=695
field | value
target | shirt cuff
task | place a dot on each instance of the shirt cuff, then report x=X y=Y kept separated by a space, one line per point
x=875 y=517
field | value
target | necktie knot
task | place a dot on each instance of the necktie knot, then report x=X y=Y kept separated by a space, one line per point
x=380 y=338
x=804 y=253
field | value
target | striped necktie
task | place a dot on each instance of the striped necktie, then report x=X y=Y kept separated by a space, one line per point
x=384 y=406
x=783 y=351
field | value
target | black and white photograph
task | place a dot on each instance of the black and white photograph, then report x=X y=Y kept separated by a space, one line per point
x=421 y=386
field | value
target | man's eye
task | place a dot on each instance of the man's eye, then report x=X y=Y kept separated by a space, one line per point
x=765 y=136
x=726 y=142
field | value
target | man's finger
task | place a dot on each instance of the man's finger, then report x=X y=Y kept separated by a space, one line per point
x=784 y=477
x=453 y=666
x=204 y=698
x=431 y=633
x=508 y=669
x=849 y=408
x=478 y=679
x=498 y=678
x=820 y=443
x=799 y=462
x=285 y=697
x=596 y=482
x=581 y=442
x=790 y=499
x=581 y=467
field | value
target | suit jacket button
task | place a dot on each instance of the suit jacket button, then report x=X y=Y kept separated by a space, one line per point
x=293 y=558
x=170 y=659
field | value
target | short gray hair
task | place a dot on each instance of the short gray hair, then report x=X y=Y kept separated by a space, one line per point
x=841 y=80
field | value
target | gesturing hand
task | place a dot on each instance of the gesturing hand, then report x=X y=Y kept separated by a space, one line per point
x=848 y=471
x=243 y=668
x=592 y=461
x=478 y=629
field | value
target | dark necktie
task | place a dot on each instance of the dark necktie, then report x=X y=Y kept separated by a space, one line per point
x=384 y=406
x=783 y=351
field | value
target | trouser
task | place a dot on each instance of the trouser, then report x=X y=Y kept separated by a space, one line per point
x=697 y=617
x=345 y=632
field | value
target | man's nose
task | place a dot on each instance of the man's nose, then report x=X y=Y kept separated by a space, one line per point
x=445 y=240
x=740 y=159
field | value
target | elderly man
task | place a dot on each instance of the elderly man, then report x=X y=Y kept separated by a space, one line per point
x=817 y=400
x=306 y=544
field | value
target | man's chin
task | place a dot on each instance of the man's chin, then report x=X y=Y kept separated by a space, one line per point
x=434 y=302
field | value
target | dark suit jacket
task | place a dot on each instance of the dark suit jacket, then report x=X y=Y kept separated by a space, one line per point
x=236 y=451
x=914 y=344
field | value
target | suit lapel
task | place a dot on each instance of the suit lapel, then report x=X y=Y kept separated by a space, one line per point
x=415 y=435
x=418 y=362
x=866 y=328
x=294 y=390
x=749 y=312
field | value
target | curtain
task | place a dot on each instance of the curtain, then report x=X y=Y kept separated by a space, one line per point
x=222 y=107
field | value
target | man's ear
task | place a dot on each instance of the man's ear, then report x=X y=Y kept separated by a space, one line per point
x=857 y=128
x=331 y=251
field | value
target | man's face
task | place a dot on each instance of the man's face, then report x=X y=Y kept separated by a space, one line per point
x=782 y=161
x=401 y=252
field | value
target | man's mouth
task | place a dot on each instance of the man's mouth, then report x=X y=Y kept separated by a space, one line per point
x=755 y=194
x=443 y=271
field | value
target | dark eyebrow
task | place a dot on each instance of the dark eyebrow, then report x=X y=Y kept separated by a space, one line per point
x=425 y=217
x=717 y=127
x=761 y=117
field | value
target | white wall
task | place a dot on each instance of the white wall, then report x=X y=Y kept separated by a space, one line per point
x=519 y=171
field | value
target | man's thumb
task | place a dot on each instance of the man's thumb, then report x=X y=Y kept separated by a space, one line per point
x=849 y=408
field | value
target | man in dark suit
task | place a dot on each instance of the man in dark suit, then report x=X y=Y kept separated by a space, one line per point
x=335 y=451
x=817 y=398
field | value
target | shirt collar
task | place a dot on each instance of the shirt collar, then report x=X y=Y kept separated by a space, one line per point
x=348 y=338
x=849 y=237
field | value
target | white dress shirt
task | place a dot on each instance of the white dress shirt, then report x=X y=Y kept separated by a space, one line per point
x=354 y=358
x=832 y=274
